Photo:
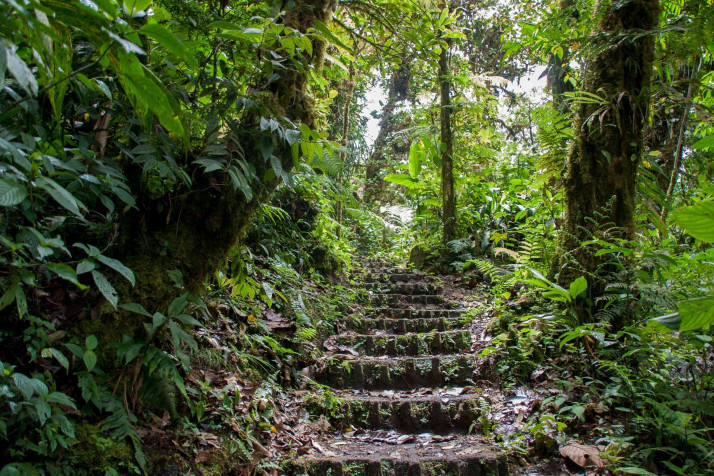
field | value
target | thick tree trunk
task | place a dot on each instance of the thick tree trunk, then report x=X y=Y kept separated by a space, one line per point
x=197 y=232
x=448 y=197
x=602 y=165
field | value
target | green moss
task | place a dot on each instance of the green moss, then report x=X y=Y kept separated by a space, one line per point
x=98 y=453
x=358 y=412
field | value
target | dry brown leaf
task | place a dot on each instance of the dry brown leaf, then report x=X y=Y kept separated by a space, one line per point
x=582 y=455
x=204 y=456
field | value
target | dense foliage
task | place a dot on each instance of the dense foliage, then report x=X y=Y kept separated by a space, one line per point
x=184 y=186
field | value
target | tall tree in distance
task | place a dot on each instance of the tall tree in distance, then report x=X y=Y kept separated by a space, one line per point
x=448 y=197
x=397 y=92
x=602 y=164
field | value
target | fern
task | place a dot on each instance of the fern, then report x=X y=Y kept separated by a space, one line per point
x=487 y=268
x=327 y=163
x=159 y=392
x=275 y=214
x=120 y=424
x=306 y=333
x=457 y=246
x=298 y=306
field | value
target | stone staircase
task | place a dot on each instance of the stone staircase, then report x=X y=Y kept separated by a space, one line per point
x=401 y=383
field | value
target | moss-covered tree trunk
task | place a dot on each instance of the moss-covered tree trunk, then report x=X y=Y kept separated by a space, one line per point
x=448 y=197
x=604 y=157
x=197 y=232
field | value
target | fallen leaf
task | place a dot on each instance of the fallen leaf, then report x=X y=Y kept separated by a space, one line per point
x=582 y=455
x=204 y=456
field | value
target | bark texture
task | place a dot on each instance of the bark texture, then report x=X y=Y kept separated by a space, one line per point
x=603 y=160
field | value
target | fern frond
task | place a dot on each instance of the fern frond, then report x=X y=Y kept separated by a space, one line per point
x=159 y=392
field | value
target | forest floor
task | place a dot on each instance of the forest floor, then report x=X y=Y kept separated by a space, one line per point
x=400 y=388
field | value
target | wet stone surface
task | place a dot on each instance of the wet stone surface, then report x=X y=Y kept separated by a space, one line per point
x=407 y=389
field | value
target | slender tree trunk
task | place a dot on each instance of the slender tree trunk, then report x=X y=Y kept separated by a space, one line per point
x=559 y=68
x=680 y=146
x=345 y=139
x=447 y=150
x=603 y=160
x=397 y=92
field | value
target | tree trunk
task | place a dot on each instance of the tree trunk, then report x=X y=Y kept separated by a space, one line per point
x=559 y=67
x=398 y=88
x=447 y=150
x=345 y=139
x=603 y=160
x=201 y=226
x=677 y=159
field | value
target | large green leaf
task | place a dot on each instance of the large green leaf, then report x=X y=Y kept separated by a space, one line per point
x=401 y=179
x=171 y=42
x=416 y=157
x=669 y=321
x=697 y=220
x=11 y=192
x=65 y=272
x=21 y=72
x=327 y=33
x=119 y=267
x=90 y=360
x=704 y=143
x=61 y=195
x=578 y=286
x=135 y=307
x=106 y=288
x=135 y=6
x=696 y=313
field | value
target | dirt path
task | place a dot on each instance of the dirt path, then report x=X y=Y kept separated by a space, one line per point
x=410 y=387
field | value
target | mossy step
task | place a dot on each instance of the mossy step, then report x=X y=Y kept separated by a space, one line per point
x=397 y=278
x=399 y=373
x=442 y=414
x=373 y=269
x=429 y=343
x=396 y=313
x=463 y=456
x=404 y=325
x=403 y=288
x=396 y=300
x=372 y=260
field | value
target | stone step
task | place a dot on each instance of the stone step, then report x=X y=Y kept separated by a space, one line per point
x=403 y=288
x=397 y=300
x=369 y=269
x=397 y=278
x=461 y=456
x=404 y=325
x=400 y=373
x=405 y=313
x=371 y=260
x=438 y=413
x=430 y=343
